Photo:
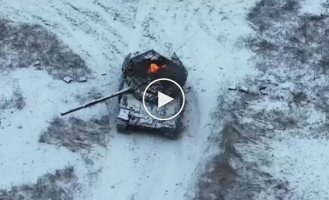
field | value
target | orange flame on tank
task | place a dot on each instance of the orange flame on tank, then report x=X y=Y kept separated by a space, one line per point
x=154 y=68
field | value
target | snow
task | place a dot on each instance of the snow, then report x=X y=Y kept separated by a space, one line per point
x=303 y=162
x=23 y=159
x=205 y=35
x=287 y=128
x=313 y=6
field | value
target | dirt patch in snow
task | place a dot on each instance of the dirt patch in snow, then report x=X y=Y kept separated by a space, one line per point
x=58 y=186
x=295 y=68
x=77 y=134
x=235 y=173
x=26 y=45
x=16 y=101
x=292 y=50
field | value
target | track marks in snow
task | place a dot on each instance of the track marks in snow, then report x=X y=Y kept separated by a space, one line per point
x=103 y=33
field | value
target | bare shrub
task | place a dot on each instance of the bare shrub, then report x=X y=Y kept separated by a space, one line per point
x=76 y=134
x=25 y=45
x=58 y=186
x=292 y=50
x=230 y=176
x=16 y=101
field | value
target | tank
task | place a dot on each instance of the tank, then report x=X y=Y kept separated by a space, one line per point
x=138 y=71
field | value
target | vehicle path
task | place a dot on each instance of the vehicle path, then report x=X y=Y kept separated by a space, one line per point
x=141 y=166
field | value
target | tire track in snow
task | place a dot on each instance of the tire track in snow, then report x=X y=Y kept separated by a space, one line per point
x=142 y=12
x=142 y=25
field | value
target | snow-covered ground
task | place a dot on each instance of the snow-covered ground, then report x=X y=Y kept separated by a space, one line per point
x=205 y=34
x=265 y=140
x=274 y=144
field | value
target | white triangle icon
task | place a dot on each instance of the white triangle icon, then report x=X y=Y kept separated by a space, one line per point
x=163 y=99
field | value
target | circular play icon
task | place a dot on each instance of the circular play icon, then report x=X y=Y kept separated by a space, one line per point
x=170 y=103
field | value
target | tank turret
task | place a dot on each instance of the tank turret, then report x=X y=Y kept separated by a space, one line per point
x=138 y=71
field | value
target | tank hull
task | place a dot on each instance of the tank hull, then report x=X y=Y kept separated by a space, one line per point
x=132 y=114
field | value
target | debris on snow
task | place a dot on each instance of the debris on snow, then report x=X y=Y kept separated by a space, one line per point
x=82 y=79
x=67 y=79
x=36 y=63
x=252 y=91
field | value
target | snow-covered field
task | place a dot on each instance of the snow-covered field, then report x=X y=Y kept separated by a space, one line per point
x=267 y=139
x=206 y=36
x=274 y=144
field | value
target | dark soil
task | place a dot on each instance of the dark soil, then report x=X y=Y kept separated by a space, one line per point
x=76 y=134
x=58 y=186
x=28 y=45
x=16 y=101
x=292 y=51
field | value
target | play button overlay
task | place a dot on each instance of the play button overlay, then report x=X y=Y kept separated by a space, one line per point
x=163 y=99
x=169 y=104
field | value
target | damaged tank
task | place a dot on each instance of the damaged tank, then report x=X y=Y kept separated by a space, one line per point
x=138 y=71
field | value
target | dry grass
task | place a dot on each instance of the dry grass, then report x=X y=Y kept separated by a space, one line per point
x=230 y=176
x=292 y=48
x=16 y=101
x=76 y=134
x=58 y=186
x=22 y=45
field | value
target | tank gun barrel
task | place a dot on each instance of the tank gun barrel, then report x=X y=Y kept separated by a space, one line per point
x=124 y=90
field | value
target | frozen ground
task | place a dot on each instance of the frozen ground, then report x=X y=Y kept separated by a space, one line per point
x=265 y=140
x=274 y=144
x=204 y=35
x=58 y=186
